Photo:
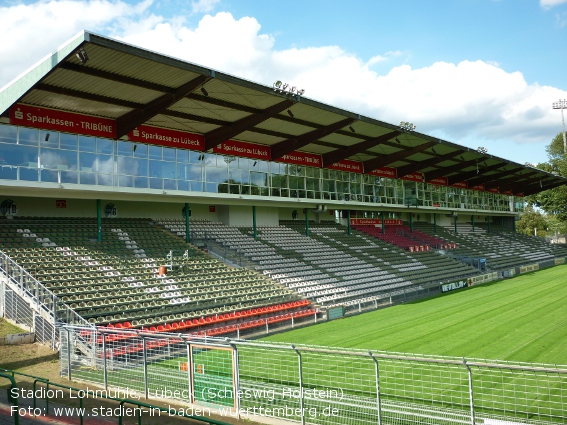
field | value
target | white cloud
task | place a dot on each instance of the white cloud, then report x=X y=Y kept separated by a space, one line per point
x=32 y=31
x=550 y=3
x=203 y=6
x=467 y=101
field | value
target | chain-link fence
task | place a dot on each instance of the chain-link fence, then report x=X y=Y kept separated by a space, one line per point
x=314 y=385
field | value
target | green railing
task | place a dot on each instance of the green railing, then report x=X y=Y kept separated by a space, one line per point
x=80 y=395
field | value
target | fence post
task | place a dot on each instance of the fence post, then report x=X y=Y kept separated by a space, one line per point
x=300 y=370
x=105 y=372
x=68 y=354
x=145 y=360
x=377 y=378
x=189 y=374
x=236 y=378
x=471 y=395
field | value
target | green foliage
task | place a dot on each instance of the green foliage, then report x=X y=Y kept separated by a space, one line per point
x=553 y=201
x=530 y=220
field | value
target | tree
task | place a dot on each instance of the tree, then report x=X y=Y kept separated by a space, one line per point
x=553 y=201
x=530 y=220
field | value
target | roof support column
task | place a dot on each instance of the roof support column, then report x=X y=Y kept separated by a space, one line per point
x=472 y=222
x=187 y=228
x=307 y=222
x=411 y=222
x=488 y=222
x=383 y=222
x=456 y=218
x=254 y=222
x=348 y=222
x=434 y=223
x=99 y=220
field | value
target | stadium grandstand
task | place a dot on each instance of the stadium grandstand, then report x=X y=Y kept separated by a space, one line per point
x=141 y=191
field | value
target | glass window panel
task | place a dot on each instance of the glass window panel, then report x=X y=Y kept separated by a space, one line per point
x=259 y=179
x=87 y=178
x=59 y=159
x=49 y=139
x=132 y=166
x=104 y=164
x=68 y=141
x=182 y=156
x=156 y=183
x=216 y=175
x=87 y=162
x=196 y=157
x=51 y=176
x=29 y=174
x=87 y=144
x=18 y=155
x=125 y=148
x=8 y=134
x=69 y=177
x=169 y=154
x=170 y=184
x=155 y=152
x=28 y=136
x=104 y=146
x=8 y=172
x=141 y=182
x=182 y=185
x=140 y=150
x=125 y=181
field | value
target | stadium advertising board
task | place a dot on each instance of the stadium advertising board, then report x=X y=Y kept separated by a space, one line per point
x=166 y=137
x=461 y=185
x=302 y=158
x=493 y=190
x=416 y=176
x=439 y=181
x=530 y=268
x=244 y=149
x=375 y=222
x=488 y=277
x=347 y=165
x=68 y=122
x=389 y=172
x=454 y=285
x=477 y=187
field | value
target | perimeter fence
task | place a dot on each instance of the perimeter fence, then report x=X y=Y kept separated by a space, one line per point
x=314 y=385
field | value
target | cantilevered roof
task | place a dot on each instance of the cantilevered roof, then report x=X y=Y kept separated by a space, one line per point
x=132 y=86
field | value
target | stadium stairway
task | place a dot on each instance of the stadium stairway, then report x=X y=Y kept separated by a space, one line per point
x=120 y=282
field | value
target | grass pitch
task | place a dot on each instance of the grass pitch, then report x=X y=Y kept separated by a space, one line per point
x=521 y=319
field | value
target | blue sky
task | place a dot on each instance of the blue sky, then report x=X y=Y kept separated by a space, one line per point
x=474 y=72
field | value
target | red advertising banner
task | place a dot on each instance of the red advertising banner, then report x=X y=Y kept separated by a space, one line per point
x=493 y=190
x=69 y=122
x=416 y=176
x=302 y=158
x=347 y=165
x=461 y=185
x=167 y=137
x=507 y=192
x=212 y=208
x=244 y=149
x=389 y=172
x=439 y=181
x=478 y=187
x=375 y=221
x=60 y=203
x=521 y=195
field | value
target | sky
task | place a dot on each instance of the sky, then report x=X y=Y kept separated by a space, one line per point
x=473 y=72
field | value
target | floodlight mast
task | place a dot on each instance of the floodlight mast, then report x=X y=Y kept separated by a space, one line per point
x=562 y=104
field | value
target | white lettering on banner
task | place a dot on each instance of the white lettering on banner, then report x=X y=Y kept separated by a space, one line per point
x=163 y=138
x=453 y=285
x=85 y=125
x=34 y=119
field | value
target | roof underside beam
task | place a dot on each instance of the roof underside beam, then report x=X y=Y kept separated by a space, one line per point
x=517 y=181
x=473 y=176
x=286 y=146
x=346 y=151
x=382 y=161
x=421 y=165
x=443 y=171
x=537 y=187
x=501 y=179
x=221 y=134
x=134 y=118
